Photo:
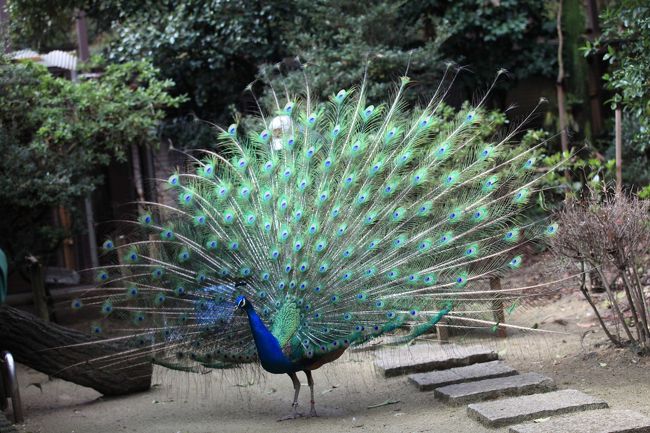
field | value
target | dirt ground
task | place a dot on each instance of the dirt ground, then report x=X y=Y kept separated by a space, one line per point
x=576 y=357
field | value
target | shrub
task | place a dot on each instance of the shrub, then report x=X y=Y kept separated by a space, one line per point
x=610 y=235
x=55 y=137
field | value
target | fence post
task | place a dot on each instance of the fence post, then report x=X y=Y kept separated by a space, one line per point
x=442 y=331
x=497 y=306
x=618 y=132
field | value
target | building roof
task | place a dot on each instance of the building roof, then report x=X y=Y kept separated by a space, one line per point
x=53 y=59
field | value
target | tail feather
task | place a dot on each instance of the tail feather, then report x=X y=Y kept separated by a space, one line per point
x=366 y=218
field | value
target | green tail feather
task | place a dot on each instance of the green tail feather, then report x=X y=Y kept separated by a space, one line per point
x=344 y=220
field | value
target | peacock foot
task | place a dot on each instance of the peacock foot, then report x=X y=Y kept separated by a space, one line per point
x=312 y=412
x=294 y=413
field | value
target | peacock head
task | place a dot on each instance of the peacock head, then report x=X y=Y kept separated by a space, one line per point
x=242 y=303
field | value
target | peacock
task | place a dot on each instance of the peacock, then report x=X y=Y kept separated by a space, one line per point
x=332 y=224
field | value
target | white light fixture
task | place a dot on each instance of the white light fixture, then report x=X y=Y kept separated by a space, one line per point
x=280 y=125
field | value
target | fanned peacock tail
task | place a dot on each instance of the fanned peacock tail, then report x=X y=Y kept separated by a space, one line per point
x=340 y=221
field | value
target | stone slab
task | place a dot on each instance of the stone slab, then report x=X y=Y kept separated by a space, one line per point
x=425 y=357
x=515 y=410
x=489 y=389
x=599 y=421
x=484 y=370
x=56 y=275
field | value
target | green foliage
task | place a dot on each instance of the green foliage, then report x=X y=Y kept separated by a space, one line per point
x=340 y=41
x=587 y=171
x=644 y=193
x=488 y=35
x=591 y=172
x=626 y=39
x=625 y=42
x=210 y=49
x=636 y=151
x=422 y=36
x=45 y=25
x=41 y=25
x=55 y=135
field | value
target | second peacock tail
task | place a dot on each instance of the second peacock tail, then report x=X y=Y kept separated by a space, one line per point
x=335 y=223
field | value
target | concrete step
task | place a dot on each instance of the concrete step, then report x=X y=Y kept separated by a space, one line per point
x=425 y=357
x=597 y=421
x=484 y=370
x=515 y=410
x=489 y=389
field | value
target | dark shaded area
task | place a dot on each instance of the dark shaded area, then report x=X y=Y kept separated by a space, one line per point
x=65 y=353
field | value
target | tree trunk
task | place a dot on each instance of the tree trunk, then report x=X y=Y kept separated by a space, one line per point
x=69 y=261
x=561 y=104
x=618 y=139
x=29 y=338
x=39 y=295
x=137 y=172
x=595 y=69
x=4 y=27
x=82 y=36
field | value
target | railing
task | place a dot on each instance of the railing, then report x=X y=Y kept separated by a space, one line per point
x=9 y=386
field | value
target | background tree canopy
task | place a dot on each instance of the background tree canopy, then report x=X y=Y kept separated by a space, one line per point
x=56 y=135
x=626 y=43
x=213 y=49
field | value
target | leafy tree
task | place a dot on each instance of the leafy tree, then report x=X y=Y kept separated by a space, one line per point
x=335 y=38
x=212 y=49
x=491 y=34
x=625 y=42
x=55 y=135
x=339 y=41
x=46 y=25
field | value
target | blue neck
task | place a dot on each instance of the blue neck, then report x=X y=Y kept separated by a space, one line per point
x=268 y=348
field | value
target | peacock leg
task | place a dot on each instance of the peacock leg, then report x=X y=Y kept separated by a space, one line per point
x=294 y=406
x=310 y=381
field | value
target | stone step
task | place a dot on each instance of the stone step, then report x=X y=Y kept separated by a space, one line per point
x=518 y=409
x=598 y=421
x=425 y=357
x=484 y=370
x=489 y=389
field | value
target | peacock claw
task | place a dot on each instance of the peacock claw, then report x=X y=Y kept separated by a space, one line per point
x=313 y=413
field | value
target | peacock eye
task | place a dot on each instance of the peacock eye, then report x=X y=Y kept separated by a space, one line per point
x=241 y=303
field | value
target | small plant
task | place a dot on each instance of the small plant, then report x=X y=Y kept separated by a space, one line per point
x=610 y=235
